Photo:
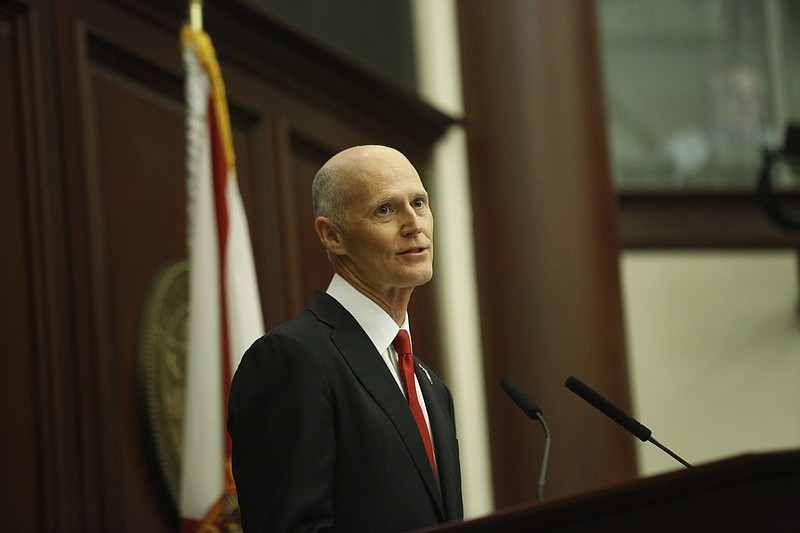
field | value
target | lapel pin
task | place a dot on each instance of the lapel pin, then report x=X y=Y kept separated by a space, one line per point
x=426 y=373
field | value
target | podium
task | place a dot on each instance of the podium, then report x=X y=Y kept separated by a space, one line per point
x=747 y=493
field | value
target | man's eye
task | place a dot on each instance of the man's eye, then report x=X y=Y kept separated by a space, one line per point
x=383 y=210
x=418 y=203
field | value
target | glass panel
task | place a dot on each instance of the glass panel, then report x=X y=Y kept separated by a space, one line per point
x=376 y=34
x=696 y=89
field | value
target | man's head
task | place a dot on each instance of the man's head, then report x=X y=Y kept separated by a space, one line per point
x=374 y=219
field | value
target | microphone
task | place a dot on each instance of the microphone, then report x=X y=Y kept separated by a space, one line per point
x=617 y=415
x=530 y=408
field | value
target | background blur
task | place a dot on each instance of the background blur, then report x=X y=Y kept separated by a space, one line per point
x=592 y=166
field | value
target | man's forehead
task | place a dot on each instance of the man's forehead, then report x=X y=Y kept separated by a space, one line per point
x=381 y=186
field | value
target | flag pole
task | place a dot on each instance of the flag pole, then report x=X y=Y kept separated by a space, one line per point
x=196 y=15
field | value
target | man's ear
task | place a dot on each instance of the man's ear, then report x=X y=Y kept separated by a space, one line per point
x=330 y=235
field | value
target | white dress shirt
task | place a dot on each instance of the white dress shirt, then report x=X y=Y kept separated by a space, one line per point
x=379 y=327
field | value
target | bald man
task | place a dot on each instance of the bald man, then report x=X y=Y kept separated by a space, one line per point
x=331 y=430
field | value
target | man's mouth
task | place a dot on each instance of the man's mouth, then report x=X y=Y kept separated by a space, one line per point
x=413 y=251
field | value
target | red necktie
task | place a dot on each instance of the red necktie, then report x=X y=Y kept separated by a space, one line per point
x=402 y=344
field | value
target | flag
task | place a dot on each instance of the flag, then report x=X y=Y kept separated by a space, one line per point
x=224 y=306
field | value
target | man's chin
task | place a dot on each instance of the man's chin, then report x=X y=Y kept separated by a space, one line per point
x=422 y=278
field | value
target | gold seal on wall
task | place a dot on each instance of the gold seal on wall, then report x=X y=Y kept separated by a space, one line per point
x=161 y=375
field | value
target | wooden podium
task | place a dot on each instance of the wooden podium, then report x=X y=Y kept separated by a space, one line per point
x=748 y=493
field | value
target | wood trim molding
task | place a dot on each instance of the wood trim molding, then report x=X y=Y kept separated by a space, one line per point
x=649 y=220
x=242 y=35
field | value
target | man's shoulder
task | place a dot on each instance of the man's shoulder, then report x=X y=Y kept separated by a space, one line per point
x=300 y=339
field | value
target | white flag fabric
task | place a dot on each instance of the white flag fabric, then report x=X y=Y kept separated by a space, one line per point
x=224 y=305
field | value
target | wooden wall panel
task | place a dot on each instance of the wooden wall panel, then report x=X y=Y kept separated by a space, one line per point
x=141 y=223
x=38 y=449
x=41 y=463
x=18 y=455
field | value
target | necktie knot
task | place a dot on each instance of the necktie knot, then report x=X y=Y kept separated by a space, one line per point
x=402 y=343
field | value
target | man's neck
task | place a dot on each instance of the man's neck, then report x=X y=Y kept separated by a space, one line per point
x=394 y=301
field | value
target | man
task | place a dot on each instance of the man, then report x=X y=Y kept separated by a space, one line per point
x=323 y=429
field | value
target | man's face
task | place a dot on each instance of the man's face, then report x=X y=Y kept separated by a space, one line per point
x=388 y=240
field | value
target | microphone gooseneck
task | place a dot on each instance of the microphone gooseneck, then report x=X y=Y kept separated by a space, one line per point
x=617 y=415
x=532 y=409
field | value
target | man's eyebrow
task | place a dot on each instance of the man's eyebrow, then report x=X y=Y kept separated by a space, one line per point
x=421 y=194
x=384 y=200
x=388 y=199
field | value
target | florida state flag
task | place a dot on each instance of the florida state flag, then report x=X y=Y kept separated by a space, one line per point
x=224 y=307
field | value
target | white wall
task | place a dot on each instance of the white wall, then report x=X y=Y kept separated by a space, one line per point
x=714 y=352
x=440 y=83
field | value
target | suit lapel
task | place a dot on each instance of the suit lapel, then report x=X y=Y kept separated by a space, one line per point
x=368 y=366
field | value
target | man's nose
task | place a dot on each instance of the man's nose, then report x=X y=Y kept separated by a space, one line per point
x=412 y=221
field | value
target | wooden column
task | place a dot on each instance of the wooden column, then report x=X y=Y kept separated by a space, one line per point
x=546 y=240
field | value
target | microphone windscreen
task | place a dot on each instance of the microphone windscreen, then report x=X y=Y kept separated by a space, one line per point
x=609 y=409
x=524 y=401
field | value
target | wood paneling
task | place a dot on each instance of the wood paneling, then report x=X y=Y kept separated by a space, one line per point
x=140 y=177
x=40 y=450
x=18 y=457
x=92 y=207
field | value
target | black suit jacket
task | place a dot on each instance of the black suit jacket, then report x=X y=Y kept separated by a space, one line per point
x=323 y=439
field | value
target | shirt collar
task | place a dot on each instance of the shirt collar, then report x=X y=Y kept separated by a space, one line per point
x=376 y=323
